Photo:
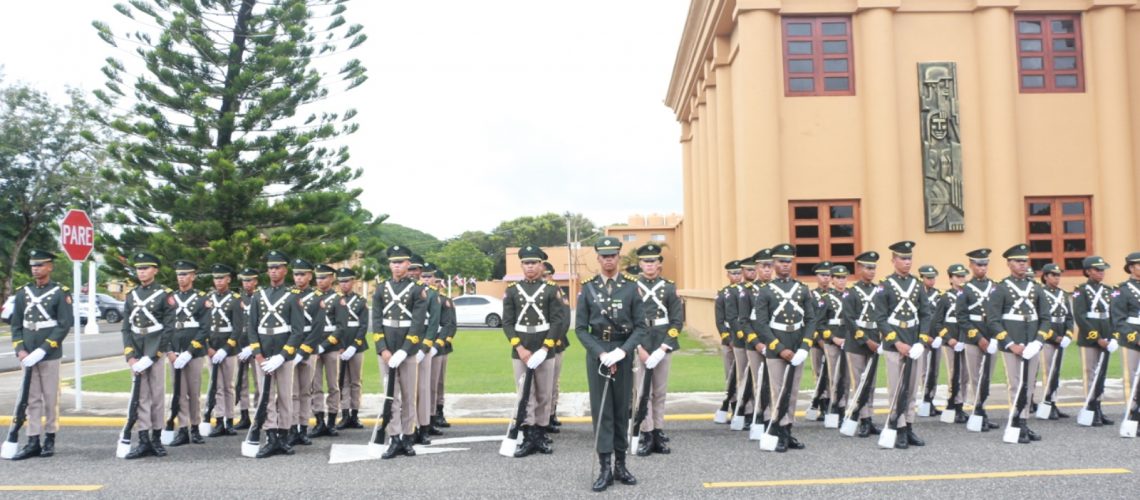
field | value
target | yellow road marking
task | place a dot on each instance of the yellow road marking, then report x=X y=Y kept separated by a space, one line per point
x=926 y=477
x=50 y=487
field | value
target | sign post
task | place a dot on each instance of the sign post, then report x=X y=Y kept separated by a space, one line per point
x=77 y=237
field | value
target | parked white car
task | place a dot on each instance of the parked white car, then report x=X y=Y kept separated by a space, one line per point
x=482 y=310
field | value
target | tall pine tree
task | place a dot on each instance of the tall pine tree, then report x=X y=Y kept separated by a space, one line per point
x=228 y=151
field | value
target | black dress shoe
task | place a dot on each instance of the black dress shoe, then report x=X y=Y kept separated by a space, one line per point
x=551 y=429
x=219 y=428
x=793 y=443
x=32 y=449
x=554 y=422
x=180 y=438
x=1033 y=436
x=344 y=418
x=143 y=448
x=395 y=446
x=330 y=425
x=606 y=473
x=442 y=422
x=48 y=449
x=271 y=446
x=864 y=428
x=283 y=442
x=960 y=416
x=912 y=438
x=195 y=436
x=541 y=441
x=303 y=436
x=156 y=443
x=230 y=429
x=621 y=474
x=659 y=441
x=354 y=420
x=645 y=444
x=432 y=431
x=901 y=442
x=409 y=447
x=243 y=423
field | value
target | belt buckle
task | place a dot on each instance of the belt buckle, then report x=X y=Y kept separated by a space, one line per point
x=607 y=334
x=903 y=324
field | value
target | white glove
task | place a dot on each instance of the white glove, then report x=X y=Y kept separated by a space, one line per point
x=654 y=359
x=419 y=356
x=799 y=357
x=879 y=351
x=1112 y=345
x=396 y=359
x=916 y=350
x=993 y=347
x=142 y=364
x=320 y=349
x=273 y=363
x=959 y=347
x=31 y=359
x=182 y=359
x=936 y=343
x=1031 y=349
x=536 y=359
x=1065 y=341
x=613 y=357
x=433 y=352
x=297 y=358
x=348 y=353
x=245 y=353
x=219 y=356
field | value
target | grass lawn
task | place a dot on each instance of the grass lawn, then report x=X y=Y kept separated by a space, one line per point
x=481 y=364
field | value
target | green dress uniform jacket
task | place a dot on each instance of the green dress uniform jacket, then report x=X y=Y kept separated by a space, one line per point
x=663 y=312
x=246 y=303
x=1060 y=313
x=399 y=308
x=973 y=302
x=859 y=316
x=724 y=297
x=144 y=331
x=188 y=318
x=947 y=320
x=448 y=326
x=832 y=325
x=1125 y=313
x=1013 y=312
x=1091 y=304
x=532 y=315
x=785 y=315
x=902 y=312
x=269 y=325
x=325 y=332
x=350 y=315
x=304 y=320
x=41 y=318
x=431 y=319
x=225 y=320
x=746 y=293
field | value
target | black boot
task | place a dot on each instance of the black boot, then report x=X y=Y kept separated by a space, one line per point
x=1059 y=413
x=645 y=444
x=960 y=416
x=528 y=446
x=1100 y=416
x=219 y=428
x=621 y=474
x=793 y=443
x=303 y=436
x=1033 y=436
x=320 y=429
x=554 y=422
x=659 y=441
x=143 y=448
x=605 y=475
x=181 y=437
x=824 y=404
x=395 y=446
x=442 y=422
x=864 y=429
x=421 y=436
x=748 y=421
x=409 y=446
x=32 y=449
x=330 y=426
x=912 y=438
x=156 y=444
x=291 y=437
x=1022 y=435
x=551 y=429
x=542 y=441
x=271 y=447
x=243 y=422
x=432 y=431
x=344 y=421
x=48 y=448
x=354 y=420
x=781 y=438
x=283 y=442
x=900 y=439
x=195 y=436
x=230 y=431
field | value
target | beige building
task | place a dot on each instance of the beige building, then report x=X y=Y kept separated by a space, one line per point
x=845 y=125
x=664 y=230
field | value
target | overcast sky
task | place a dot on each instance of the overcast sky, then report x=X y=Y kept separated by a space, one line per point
x=514 y=107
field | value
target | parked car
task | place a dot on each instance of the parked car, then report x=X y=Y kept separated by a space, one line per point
x=10 y=304
x=482 y=310
x=110 y=308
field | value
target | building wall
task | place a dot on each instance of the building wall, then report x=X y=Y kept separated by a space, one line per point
x=773 y=149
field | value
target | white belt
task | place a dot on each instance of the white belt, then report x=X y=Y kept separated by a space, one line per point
x=273 y=331
x=180 y=325
x=866 y=324
x=661 y=322
x=836 y=321
x=39 y=325
x=330 y=328
x=1019 y=317
x=225 y=329
x=352 y=324
x=1096 y=315
x=533 y=329
x=976 y=317
x=785 y=327
x=146 y=330
x=397 y=323
x=901 y=324
x=952 y=320
x=1133 y=321
x=307 y=329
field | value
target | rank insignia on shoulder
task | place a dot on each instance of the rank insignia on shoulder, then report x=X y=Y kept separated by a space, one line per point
x=237 y=295
x=168 y=290
x=296 y=290
x=64 y=288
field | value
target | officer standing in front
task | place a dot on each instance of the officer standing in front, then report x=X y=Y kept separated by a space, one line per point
x=666 y=317
x=610 y=324
x=1091 y=303
x=863 y=343
x=786 y=316
x=225 y=331
x=41 y=318
x=274 y=344
x=144 y=337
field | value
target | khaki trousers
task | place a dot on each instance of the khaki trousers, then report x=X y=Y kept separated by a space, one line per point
x=894 y=379
x=538 y=406
x=740 y=360
x=224 y=394
x=350 y=395
x=729 y=360
x=190 y=400
x=423 y=391
x=553 y=393
x=658 y=389
x=152 y=397
x=43 y=398
x=326 y=370
x=1089 y=358
x=974 y=356
x=756 y=362
x=856 y=365
x=243 y=385
x=832 y=352
x=1013 y=376
x=404 y=397
x=302 y=391
x=963 y=383
x=279 y=411
x=436 y=372
x=776 y=367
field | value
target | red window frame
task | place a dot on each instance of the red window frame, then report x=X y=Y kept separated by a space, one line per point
x=1057 y=236
x=817 y=57
x=1049 y=55
x=824 y=240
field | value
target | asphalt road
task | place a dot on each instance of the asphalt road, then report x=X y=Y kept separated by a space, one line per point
x=1098 y=464
x=108 y=342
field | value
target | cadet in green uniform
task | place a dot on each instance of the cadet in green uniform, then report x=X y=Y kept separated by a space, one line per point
x=749 y=321
x=1061 y=323
x=745 y=292
x=863 y=343
x=832 y=336
x=610 y=324
x=303 y=322
x=903 y=316
x=725 y=314
x=145 y=336
x=929 y=276
x=41 y=318
x=532 y=311
x=427 y=393
x=249 y=289
x=351 y=313
x=949 y=318
x=188 y=317
x=274 y=343
x=785 y=317
x=1125 y=312
x=1091 y=303
x=560 y=345
x=225 y=331
x=665 y=313
x=326 y=360
x=423 y=402
x=972 y=307
x=398 y=320
x=822 y=272
x=1015 y=321
x=447 y=327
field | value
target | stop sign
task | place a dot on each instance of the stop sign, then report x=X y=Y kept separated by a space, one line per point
x=77 y=235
